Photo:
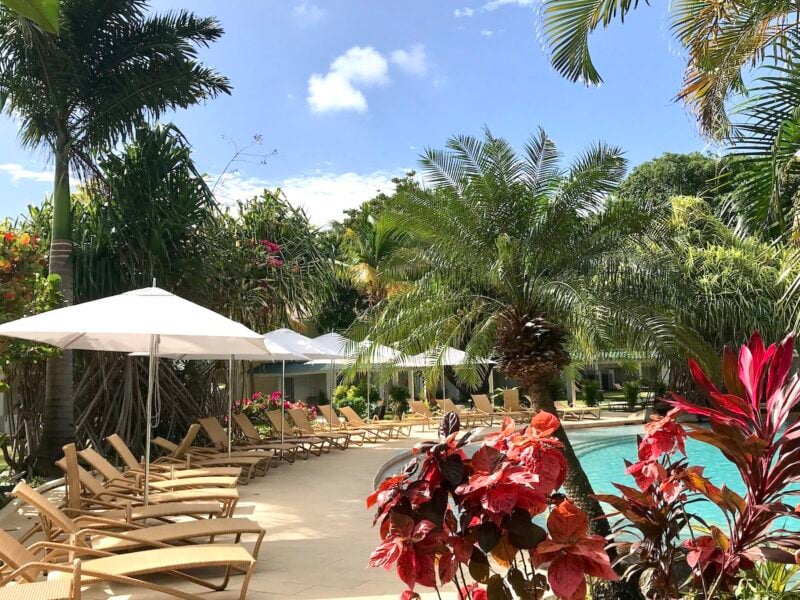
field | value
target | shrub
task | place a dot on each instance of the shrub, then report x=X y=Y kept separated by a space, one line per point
x=447 y=511
x=398 y=398
x=631 y=390
x=357 y=403
x=748 y=423
x=592 y=394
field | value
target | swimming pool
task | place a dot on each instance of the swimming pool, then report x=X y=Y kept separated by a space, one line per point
x=602 y=452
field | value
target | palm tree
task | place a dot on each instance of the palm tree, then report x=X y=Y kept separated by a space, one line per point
x=111 y=67
x=721 y=39
x=372 y=246
x=524 y=261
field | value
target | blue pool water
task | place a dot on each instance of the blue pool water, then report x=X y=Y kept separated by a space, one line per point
x=602 y=452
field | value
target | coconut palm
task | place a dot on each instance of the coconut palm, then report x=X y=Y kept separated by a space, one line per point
x=524 y=260
x=720 y=39
x=372 y=247
x=111 y=66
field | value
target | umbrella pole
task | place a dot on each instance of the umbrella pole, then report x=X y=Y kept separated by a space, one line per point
x=283 y=396
x=151 y=381
x=368 y=371
x=230 y=402
x=333 y=410
x=443 y=392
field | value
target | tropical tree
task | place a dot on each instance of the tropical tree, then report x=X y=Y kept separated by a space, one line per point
x=111 y=67
x=522 y=260
x=372 y=246
x=42 y=12
x=721 y=40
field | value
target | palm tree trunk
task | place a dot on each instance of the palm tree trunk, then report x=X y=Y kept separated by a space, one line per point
x=580 y=490
x=58 y=419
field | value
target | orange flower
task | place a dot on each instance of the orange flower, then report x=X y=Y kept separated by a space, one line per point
x=25 y=239
x=9 y=236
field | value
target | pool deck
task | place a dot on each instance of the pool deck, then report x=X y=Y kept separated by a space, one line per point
x=319 y=533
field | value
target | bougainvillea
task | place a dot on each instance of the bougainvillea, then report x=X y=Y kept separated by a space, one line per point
x=259 y=404
x=748 y=422
x=448 y=514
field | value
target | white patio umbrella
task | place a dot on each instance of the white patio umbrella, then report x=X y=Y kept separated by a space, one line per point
x=148 y=320
x=272 y=352
x=339 y=348
x=451 y=357
x=296 y=343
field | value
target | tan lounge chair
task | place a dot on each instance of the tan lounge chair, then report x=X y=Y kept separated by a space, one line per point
x=565 y=410
x=101 y=533
x=337 y=424
x=66 y=587
x=219 y=438
x=173 y=471
x=395 y=429
x=338 y=439
x=188 y=456
x=312 y=444
x=511 y=404
x=194 y=502
x=485 y=406
x=113 y=476
x=421 y=413
x=30 y=564
x=468 y=418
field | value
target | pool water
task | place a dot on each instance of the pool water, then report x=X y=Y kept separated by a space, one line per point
x=602 y=452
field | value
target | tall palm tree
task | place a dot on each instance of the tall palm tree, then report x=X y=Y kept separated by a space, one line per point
x=721 y=39
x=523 y=260
x=372 y=246
x=111 y=67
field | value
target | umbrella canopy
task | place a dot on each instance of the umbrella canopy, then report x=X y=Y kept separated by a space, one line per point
x=126 y=322
x=451 y=357
x=336 y=345
x=291 y=341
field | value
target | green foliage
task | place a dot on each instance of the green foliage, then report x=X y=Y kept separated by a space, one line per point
x=398 y=399
x=592 y=395
x=769 y=581
x=355 y=396
x=42 y=12
x=630 y=390
x=659 y=179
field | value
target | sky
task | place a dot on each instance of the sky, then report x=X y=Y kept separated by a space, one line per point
x=343 y=95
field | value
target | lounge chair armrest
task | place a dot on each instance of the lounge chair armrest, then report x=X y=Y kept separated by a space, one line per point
x=122 y=536
x=57 y=548
x=96 y=521
x=75 y=567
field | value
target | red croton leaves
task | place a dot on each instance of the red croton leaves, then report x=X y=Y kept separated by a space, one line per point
x=572 y=554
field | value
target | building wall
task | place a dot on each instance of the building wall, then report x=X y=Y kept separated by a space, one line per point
x=298 y=387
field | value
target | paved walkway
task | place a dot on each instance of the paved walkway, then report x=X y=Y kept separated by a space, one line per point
x=319 y=533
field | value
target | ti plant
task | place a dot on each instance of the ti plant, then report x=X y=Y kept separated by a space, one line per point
x=748 y=422
x=450 y=518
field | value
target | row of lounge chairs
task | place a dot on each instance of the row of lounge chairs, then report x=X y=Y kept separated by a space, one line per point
x=105 y=532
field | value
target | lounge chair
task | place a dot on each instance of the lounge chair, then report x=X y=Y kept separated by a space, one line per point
x=130 y=502
x=338 y=439
x=485 y=406
x=421 y=413
x=468 y=418
x=188 y=456
x=30 y=564
x=511 y=404
x=66 y=587
x=219 y=438
x=312 y=444
x=394 y=429
x=101 y=533
x=337 y=424
x=112 y=475
x=565 y=410
x=173 y=471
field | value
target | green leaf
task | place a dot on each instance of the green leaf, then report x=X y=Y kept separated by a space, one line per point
x=42 y=12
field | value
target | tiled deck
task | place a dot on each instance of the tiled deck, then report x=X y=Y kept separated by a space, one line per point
x=319 y=533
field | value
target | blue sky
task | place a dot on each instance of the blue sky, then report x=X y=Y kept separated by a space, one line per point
x=350 y=92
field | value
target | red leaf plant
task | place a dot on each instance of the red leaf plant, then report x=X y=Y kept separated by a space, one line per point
x=748 y=423
x=448 y=514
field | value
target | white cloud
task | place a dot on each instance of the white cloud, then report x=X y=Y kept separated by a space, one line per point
x=324 y=196
x=487 y=33
x=495 y=4
x=413 y=60
x=19 y=173
x=308 y=14
x=335 y=91
x=463 y=12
